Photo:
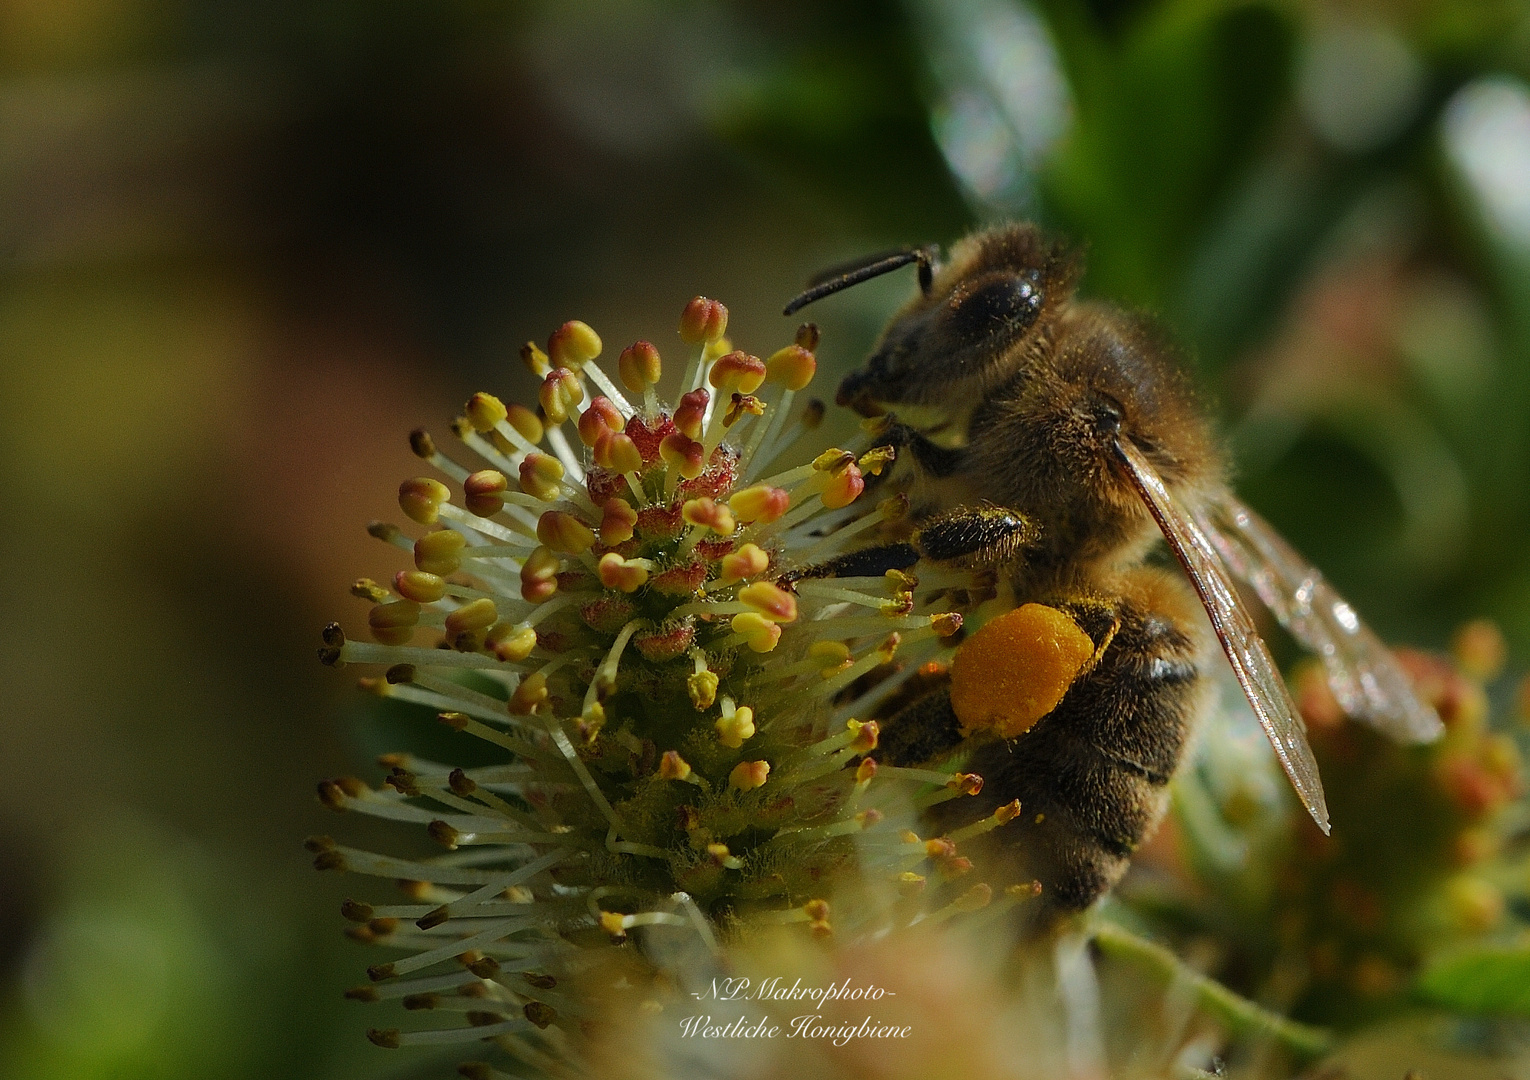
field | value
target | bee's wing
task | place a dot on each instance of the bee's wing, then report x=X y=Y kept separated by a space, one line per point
x=1251 y=661
x=1363 y=674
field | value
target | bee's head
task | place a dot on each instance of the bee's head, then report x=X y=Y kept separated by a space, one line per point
x=967 y=328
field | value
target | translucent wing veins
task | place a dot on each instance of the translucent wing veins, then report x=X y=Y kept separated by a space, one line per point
x=1363 y=674
x=1251 y=661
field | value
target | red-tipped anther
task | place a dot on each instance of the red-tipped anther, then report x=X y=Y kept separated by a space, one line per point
x=624 y=575
x=843 y=487
x=617 y=521
x=539 y=575
x=703 y=320
x=747 y=562
x=619 y=454
x=639 y=366
x=540 y=476
x=691 y=411
x=684 y=454
x=761 y=503
x=563 y=532
x=770 y=600
x=737 y=372
x=484 y=492
x=709 y=513
x=559 y=394
x=600 y=418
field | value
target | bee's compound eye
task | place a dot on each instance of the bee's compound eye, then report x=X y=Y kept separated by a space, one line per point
x=1108 y=414
x=1000 y=304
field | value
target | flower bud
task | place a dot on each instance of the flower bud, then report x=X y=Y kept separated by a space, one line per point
x=394 y=623
x=572 y=344
x=511 y=643
x=440 y=552
x=600 y=418
x=738 y=371
x=540 y=476
x=683 y=454
x=792 y=367
x=559 y=394
x=759 y=633
x=475 y=615
x=703 y=320
x=617 y=522
x=421 y=499
x=526 y=423
x=564 y=532
x=624 y=575
x=734 y=726
x=747 y=562
x=639 y=366
x=484 y=411
x=419 y=586
x=748 y=775
x=760 y=504
x=770 y=600
x=691 y=412
x=539 y=575
x=484 y=492
x=709 y=513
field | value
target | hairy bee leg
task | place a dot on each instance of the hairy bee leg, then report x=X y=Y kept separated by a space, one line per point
x=933 y=461
x=1092 y=775
x=982 y=536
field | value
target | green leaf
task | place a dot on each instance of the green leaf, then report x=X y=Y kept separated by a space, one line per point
x=1487 y=980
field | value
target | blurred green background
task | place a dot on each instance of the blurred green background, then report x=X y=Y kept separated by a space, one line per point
x=244 y=248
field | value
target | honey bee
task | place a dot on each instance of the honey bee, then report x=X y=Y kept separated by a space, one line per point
x=1054 y=441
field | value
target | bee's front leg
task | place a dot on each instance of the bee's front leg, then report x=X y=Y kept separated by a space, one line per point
x=933 y=461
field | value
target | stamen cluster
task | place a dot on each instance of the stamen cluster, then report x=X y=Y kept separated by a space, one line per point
x=600 y=597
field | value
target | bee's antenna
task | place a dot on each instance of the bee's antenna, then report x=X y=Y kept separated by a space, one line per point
x=864 y=269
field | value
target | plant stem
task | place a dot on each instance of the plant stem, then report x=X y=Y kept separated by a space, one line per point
x=1240 y=1015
